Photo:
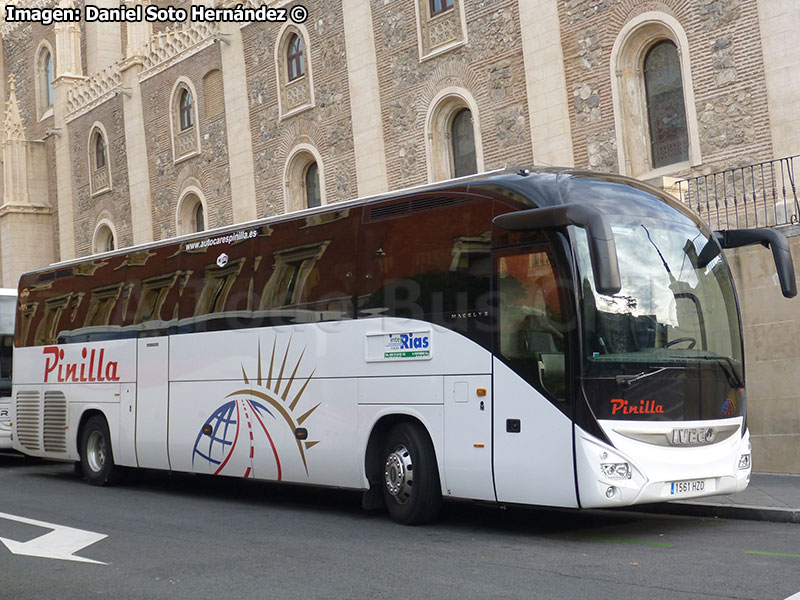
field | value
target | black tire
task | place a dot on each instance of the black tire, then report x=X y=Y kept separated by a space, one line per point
x=410 y=477
x=97 y=458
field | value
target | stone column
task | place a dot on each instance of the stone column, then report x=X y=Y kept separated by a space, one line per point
x=779 y=21
x=138 y=36
x=365 y=98
x=24 y=217
x=136 y=153
x=548 y=103
x=68 y=46
x=237 y=124
x=68 y=71
x=103 y=41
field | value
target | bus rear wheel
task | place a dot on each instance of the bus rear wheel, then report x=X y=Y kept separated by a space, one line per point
x=97 y=458
x=411 y=488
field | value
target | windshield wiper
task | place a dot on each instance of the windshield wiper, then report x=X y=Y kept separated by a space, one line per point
x=728 y=366
x=626 y=381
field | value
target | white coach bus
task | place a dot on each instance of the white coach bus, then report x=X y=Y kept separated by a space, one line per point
x=8 y=309
x=554 y=337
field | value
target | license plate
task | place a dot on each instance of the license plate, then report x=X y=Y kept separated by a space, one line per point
x=681 y=488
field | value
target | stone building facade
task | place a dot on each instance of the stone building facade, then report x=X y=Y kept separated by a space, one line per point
x=121 y=133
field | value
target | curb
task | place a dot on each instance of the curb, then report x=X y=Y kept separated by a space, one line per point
x=723 y=511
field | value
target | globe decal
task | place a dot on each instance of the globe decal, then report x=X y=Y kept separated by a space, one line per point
x=241 y=426
x=216 y=447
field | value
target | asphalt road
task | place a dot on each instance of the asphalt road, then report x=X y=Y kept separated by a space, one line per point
x=180 y=536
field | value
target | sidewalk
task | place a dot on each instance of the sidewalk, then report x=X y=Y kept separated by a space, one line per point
x=769 y=497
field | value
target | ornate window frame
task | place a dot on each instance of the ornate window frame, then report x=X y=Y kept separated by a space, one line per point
x=191 y=198
x=297 y=95
x=628 y=94
x=102 y=231
x=185 y=142
x=44 y=87
x=99 y=174
x=300 y=159
x=441 y=32
x=438 y=127
x=101 y=304
x=296 y=263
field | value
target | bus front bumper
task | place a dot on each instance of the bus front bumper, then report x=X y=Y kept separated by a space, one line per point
x=641 y=473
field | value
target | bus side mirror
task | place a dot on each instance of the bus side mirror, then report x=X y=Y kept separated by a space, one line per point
x=769 y=238
x=602 y=249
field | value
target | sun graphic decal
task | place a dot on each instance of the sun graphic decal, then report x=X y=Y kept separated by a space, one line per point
x=244 y=422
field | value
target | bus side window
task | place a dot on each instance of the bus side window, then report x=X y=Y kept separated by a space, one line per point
x=531 y=326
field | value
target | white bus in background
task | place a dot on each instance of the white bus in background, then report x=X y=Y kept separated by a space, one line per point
x=554 y=337
x=8 y=309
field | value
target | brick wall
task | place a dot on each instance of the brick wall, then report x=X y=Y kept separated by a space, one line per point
x=727 y=73
x=169 y=178
x=326 y=126
x=490 y=67
x=87 y=207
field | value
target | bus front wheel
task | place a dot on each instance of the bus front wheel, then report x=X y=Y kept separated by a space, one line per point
x=97 y=459
x=411 y=489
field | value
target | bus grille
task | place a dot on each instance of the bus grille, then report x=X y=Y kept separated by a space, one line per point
x=55 y=422
x=27 y=419
x=399 y=209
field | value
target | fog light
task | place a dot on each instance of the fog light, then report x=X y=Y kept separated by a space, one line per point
x=610 y=492
x=616 y=470
x=744 y=461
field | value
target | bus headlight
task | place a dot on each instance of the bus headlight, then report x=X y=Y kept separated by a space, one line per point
x=616 y=470
x=744 y=461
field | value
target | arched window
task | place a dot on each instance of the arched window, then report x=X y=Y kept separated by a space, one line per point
x=48 y=76
x=100 y=173
x=184 y=120
x=294 y=58
x=293 y=70
x=44 y=80
x=666 y=113
x=462 y=137
x=313 y=194
x=452 y=134
x=656 y=126
x=199 y=218
x=439 y=6
x=304 y=179
x=99 y=151
x=186 y=110
x=191 y=216
x=104 y=239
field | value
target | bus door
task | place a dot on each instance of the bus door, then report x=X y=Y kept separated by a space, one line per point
x=152 y=372
x=533 y=454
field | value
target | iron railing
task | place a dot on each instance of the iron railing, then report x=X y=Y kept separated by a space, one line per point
x=758 y=195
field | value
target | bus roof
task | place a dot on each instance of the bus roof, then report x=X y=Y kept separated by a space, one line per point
x=543 y=181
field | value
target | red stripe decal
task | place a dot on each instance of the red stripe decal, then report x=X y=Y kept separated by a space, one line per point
x=269 y=437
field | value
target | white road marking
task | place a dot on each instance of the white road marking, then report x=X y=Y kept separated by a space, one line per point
x=794 y=596
x=61 y=543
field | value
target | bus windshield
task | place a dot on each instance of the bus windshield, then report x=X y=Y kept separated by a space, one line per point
x=675 y=318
